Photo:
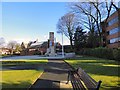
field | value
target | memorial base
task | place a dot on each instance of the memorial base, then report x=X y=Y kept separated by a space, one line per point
x=52 y=51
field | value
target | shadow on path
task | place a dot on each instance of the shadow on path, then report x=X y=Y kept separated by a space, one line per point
x=43 y=83
x=55 y=72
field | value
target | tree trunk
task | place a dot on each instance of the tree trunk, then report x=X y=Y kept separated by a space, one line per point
x=71 y=42
x=100 y=44
x=11 y=51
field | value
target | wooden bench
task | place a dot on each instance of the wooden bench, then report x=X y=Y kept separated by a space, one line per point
x=82 y=81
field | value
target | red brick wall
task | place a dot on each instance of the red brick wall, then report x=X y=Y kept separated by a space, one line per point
x=113 y=16
x=112 y=26
x=114 y=45
x=108 y=37
x=33 y=51
x=113 y=36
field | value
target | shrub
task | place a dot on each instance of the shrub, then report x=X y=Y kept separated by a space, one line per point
x=116 y=54
x=101 y=52
x=67 y=49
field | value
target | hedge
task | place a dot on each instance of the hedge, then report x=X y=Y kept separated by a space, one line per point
x=67 y=49
x=106 y=53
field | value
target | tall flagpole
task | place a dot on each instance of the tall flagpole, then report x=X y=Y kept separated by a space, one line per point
x=62 y=46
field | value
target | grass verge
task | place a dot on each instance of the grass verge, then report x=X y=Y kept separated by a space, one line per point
x=21 y=79
x=16 y=79
x=99 y=69
x=22 y=61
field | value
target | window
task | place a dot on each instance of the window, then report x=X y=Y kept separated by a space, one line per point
x=115 y=30
x=114 y=40
x=113 y=21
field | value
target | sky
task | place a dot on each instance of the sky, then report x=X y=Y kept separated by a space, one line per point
x=28 y=21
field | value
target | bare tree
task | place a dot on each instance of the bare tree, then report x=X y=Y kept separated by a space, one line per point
x=18 y=47
x=84 y=19
x=12 y=45
x=95 y=11
x=66 y=25
x=90 y=13
x=105 y=7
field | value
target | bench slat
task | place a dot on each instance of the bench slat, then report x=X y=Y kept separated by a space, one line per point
x=89 y=82
x=80 y=70
x=81 y=86
x=81 y=80
x=77 y=84
x=75 y=87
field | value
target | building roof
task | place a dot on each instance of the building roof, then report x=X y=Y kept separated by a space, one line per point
x=36 y=44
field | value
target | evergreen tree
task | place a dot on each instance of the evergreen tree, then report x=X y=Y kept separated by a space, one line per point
x=79 y=38
x=22 y=46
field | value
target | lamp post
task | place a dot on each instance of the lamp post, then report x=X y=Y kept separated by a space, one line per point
x=55 y=44
x=62 y=43
x=62 y=46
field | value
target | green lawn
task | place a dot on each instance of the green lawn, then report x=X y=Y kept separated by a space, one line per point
x=20 y=78
x=99 y=69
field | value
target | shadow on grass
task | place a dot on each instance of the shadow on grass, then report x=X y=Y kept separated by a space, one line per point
x=23 y=62
x=91 y=58
x=101 y=62
x=110 y=88
x=84 y=58
x=98 y=69
x=23 y=65
x=96 y=66
x=14 y=86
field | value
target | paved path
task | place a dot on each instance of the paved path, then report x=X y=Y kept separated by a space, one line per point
x=21 y=57
x=54 y=76
x=29 y=57
x=67 y=55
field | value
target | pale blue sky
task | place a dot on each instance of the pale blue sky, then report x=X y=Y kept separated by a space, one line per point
x=24 y=21
x=27 y=21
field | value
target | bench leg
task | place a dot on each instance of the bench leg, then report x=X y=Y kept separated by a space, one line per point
x=98 y=85
x=68 y=78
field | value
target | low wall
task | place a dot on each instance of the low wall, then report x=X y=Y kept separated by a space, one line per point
x=69 y=55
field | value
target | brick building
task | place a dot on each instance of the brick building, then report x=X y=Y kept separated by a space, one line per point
x=5 y=51
x=36 y=48
x=113 y=30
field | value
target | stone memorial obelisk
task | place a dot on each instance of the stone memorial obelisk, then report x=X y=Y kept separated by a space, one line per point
x=51 y=47
x=51 y=44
